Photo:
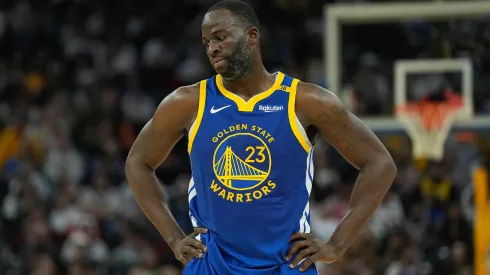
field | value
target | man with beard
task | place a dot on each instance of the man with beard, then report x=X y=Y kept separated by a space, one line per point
x=251 y=158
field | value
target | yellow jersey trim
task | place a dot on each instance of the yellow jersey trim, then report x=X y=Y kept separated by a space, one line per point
x=200 y=112
x=293 y=119
x=248 y=106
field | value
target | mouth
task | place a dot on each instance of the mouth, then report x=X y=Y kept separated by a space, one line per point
x=218 y=62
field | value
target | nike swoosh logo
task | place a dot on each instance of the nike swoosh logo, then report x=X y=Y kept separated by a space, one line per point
x=214 y=111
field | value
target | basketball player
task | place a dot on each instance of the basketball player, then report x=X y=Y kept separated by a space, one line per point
x=251 y=158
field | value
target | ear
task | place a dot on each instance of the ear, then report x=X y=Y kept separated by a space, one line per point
x=253 y=36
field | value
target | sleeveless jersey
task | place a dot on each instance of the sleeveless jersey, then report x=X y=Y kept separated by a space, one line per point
x=252 y=173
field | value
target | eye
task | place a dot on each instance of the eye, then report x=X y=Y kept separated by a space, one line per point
x=221 y=38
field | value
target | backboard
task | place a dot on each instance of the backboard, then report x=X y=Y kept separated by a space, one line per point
x=337 y=15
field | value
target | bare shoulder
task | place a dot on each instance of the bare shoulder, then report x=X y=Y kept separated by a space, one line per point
x=180 y=106
x=343 y=130
x=167 y=126
x=317 y=105
x=187 y=94
x=187 y=97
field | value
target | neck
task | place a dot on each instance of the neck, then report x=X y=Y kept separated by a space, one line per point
x=255 y=81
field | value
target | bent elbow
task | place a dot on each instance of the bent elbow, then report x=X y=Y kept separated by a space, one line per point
x=128 y=166
x=389 y=167
x=135 y=165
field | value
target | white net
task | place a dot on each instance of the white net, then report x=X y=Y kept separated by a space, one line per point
x=428 y=127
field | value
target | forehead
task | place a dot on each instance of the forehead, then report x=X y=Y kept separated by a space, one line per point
x=218 y=20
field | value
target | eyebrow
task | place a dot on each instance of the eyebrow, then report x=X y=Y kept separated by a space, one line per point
x=217 y=31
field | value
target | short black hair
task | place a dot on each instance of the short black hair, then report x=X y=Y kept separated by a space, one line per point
x=243 y=11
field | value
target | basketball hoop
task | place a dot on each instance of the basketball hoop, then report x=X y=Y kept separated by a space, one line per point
x=428 y=124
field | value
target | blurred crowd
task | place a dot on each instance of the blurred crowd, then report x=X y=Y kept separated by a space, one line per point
x=80 y=78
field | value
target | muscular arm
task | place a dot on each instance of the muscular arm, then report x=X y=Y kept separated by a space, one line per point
x=152 y=146
x=358 y=145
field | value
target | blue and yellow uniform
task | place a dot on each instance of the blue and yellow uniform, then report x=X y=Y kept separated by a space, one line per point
x=252 y=173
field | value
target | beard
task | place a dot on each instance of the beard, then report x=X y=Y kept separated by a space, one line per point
x=239 y=62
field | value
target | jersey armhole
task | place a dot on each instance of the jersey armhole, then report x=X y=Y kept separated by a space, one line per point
x=296 y=127
x=200 y=112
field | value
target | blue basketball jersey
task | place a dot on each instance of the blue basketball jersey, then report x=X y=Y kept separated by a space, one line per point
x=252 y=173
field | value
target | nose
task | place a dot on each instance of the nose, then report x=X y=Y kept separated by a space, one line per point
x=213 y=49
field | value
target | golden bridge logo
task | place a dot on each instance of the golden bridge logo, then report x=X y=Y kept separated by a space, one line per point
x=230 y=168
x=242 y=163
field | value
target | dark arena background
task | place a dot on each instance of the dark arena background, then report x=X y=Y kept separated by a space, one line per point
x=80 y=78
